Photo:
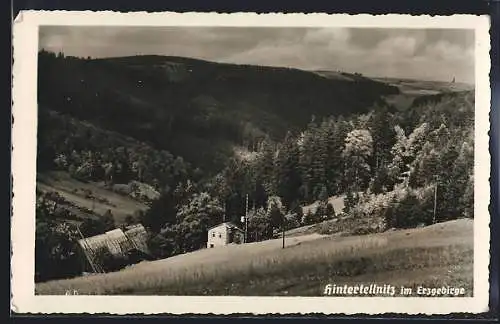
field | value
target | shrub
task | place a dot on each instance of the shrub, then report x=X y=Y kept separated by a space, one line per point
x=159 y=246
x=326 y=228
x=409 y=212
x=129 y=220
x=92 y=226
x=122 y=189
x=110 y=262
x=309 y=218
x=330 y=211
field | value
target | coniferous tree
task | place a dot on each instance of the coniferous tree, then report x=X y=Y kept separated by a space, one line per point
x=321 y=211
x=275 y=212
x=319 y=161
x=162 y=212
x=358 y=149
x=336 y=133
x=309 y=218
x=108 y=220
x=383 y=138
x=451 y=185
x=288 y=174
x=330 y=211
x=266 y=167
x=306 y=149
x=349 y=201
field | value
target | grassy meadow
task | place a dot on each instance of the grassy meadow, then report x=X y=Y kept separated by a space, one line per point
x=437 y=255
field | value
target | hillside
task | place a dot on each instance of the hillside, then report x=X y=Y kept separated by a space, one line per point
x=89 y=199
x=196 y=109
x=440 y=254
x=411 y=90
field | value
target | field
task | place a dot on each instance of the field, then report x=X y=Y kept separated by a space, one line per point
x=90 y=195
x=412 y=89
x=437 y=255
x=426 y=87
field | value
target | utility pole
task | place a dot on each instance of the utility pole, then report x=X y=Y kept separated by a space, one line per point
x=224 y=212
x=283 y=225
x=435 y=200
x=246 y=220
x=283 y=231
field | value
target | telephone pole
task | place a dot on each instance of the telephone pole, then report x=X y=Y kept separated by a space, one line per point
x=246 y=220
x=435 y=199
x=283 y=231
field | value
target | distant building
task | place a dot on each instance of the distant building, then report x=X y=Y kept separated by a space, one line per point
x=118 y=242
x=224 y=234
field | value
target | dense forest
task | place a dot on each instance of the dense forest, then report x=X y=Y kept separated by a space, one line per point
x=396 y=169
x=195 y=109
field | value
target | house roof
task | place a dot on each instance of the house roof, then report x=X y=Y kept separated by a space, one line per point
x=228 y=225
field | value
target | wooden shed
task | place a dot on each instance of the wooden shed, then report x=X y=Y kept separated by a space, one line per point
x=118 y=242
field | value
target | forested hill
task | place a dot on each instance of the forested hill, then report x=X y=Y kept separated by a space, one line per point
x=196 y=109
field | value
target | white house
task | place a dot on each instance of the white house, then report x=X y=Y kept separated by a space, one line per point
x=224 y=234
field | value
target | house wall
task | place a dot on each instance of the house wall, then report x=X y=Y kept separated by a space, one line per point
x=223 y=235
x=217 y=236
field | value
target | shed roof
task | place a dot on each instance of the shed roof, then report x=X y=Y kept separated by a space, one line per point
x=138 y=236
x=117 y=241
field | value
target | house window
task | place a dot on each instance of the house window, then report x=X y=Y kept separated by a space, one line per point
x=213 y=234
x=211 y=245
x=220 y=235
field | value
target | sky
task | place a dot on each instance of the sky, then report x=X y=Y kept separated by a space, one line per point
x=426 y=54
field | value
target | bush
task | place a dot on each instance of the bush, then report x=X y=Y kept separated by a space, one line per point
x=122 y=189
x=325 y=228
x=310 y=218
x=330 y=211
x=363 y=230
x=350 y=201
x=92 y=226
x=410 y=212
x=159 y=246
x=110 y=262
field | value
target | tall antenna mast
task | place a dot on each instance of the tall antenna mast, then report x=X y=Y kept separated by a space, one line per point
x=246 y=219
x=246 y=207
x=435 y=200
x=224 y=212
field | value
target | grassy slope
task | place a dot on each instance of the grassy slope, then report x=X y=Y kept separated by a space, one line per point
x=74 y=191
x=441 y=254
